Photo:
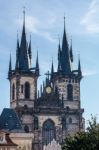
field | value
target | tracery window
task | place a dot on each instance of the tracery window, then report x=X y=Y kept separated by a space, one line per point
x=48 y=131
x=27 y=90
x=69 y=92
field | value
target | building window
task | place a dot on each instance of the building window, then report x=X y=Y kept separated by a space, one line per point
x=13 y=91
x=70 y=120
x=27 y=90
x=26 y=129
x=69 y=92
x=22 y=88
x=48 y=131
x=35 y=123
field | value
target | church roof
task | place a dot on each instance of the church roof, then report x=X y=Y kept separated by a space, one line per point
x=9 y=120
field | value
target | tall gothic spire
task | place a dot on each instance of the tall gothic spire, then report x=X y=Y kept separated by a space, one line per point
x=79 y=68
x=52 y=68
x=29 y=51
x=59 y=58
x=10 y=67
x=17 y=54
x=71 y=52
x=23 y=57
x=65 y=59
x=37 y=65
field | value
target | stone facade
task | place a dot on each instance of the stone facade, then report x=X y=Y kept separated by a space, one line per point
x=56 y=111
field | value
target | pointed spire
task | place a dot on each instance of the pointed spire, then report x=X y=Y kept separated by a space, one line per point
x=23 y=31
x=71 y=52
x=23 y=58
x=10 y=67
x=37 y=64
x=29 y=51
x=59 y=58
x=79 y=68
x=52 y=68
x=17 y=53
x=65 y=60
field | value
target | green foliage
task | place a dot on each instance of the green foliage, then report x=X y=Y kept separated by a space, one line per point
x=88 y=140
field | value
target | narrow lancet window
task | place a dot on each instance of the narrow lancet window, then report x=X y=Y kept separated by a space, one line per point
x=69 y=92
x=27 y=90
x=13 y=91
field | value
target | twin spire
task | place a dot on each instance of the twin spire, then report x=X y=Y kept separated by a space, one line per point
x=65 y=57
x=24 y=53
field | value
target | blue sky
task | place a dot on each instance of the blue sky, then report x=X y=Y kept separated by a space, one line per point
x=44 y=20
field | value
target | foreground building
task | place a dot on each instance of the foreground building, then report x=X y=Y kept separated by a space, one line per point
x=6 y=142
x=53 y=113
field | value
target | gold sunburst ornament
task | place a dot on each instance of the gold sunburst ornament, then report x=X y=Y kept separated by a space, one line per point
x=48 y=89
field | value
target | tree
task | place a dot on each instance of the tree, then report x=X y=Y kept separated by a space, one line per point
x=88 y=140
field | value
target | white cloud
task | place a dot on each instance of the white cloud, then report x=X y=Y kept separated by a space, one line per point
x=35 y=26
x=91 y=18
x=31 y=23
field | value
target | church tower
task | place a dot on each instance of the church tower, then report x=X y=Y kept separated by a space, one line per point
x=23 y=82
x=66 y=79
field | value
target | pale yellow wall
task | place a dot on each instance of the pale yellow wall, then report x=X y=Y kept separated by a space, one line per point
x=23 y=140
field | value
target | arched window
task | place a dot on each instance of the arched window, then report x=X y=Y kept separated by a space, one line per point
x=27 y=90
x=48 y=131
x=13 y=91
x=69 y=92
x=26 y=129
x=35 y=123
x=70 y=120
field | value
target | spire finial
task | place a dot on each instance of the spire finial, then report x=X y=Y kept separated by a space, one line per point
x=17 y=40
x=52 y=68
x=37 y=64
x=30 y=52
x=64 y=21
x=71 y=52
x=17 y=34
x=10 y=67
x=24 y=14
x=79 y=65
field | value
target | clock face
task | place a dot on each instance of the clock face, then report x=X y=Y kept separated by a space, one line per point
x=48 y=89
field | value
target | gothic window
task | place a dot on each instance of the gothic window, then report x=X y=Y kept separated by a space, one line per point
x=69 y=92
x=13 y=91
x=48 y=131
x=35 y=123
x=27 y=90
x=22 y=88
x=26 y=129
x=70 y=120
